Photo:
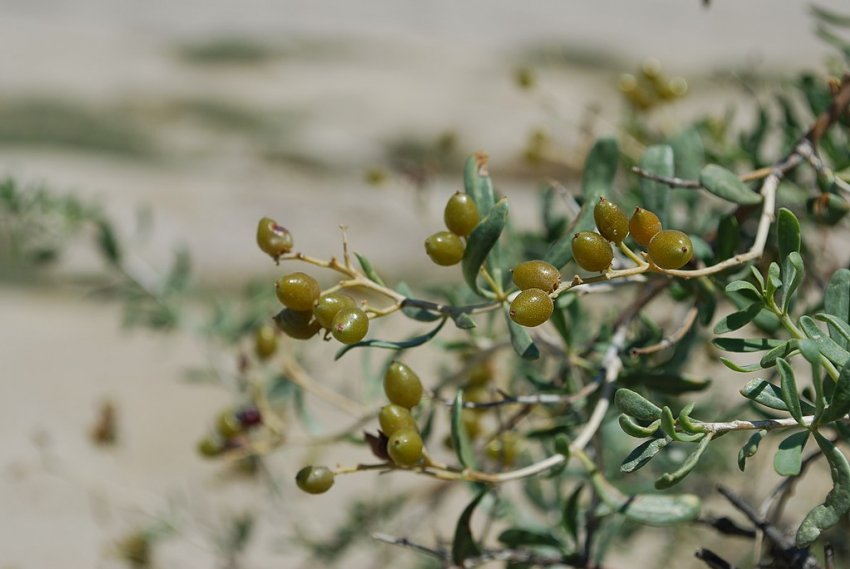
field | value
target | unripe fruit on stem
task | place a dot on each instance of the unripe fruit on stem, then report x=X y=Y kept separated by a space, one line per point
x=350 y=325
x=297 y=324
x=298 y=291
x=461 y=214
x=445 y=248
x=643 y=226
x=531 y=307
x=671 y=249
x=394 y=418
x=315 y=479
x=402 y=385
x=405 y=447
x=228 y=424
x=611 y=222
x=329 y=305
x=536 y=274
x=273 y=239
x=265 y=341
x=210 y=447
x=591 y=251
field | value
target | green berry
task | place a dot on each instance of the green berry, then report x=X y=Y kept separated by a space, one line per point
x=591 y=251
x=445 y=248
x=536 y=274
x=298 y=291
x=504 y=449
x=265 y=341
x=480 y=374
x=228 y=424
x=394 y=418
x=315 y=479
x=273 y=239
x=471 y=422
x=671 y=249
x=350 y=325
x=461 y=214
x=402 y=385
x=405 y=447
x=643 y=226
x=297 y=324
x=611 y=222
x=531 y=307
x=210 y=447
x=328 y=305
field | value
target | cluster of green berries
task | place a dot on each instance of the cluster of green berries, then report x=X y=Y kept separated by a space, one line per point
x=667 y=248
x=404 y=390
x=230 y=426
x=460 y=216
x=536 y=280
x=651 y=87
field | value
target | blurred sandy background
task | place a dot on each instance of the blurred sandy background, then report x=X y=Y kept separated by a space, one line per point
x=212 y=114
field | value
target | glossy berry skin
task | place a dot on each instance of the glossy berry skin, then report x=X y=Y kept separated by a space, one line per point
x=405 y=447
x=445 y=248
x=591 y=251
x=350 y=325
x=210 y=447
x=273 y=239
x=298 y=291
x=265 y=341
x=671 y=249
x=536 y=274
x=394 y=418
x=328 y=305
x=402 y=385
x=643 y=226
x=531 y=307
x=315 y=479
x=297 y=324
x=611 y=222
x=461 y=214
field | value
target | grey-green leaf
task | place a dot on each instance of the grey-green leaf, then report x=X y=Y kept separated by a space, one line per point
x=631 y=428
x=840 y=405
x=750 y=448
x=726 y=185
x=481 y=241
x=569 y=517
x=519 y=537
x=415 y=312
x=829 y=348
x=688 y=153
x=460 y=438
x=837 y=303
x=477 y=183
x=739 y=368
x=464 y=545
x=368 y=270
x=521 y=340
x=656 y=195
x=837 y=502
x=792 y=276
x=788 y=230
x=770 y=395
x=411 y=343
x=643 y=453
x=672 y=478
x=744 y=288
x=635 y=405
x=788 y=459
x=788 y=390
x=738 y=319
x=744 y=345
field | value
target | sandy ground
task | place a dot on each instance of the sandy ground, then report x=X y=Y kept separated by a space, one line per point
x=383 y=70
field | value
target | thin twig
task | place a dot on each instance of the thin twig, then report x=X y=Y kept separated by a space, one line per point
x=712 y=559
x=440 y=554
x=690 y=318
x=726 y=526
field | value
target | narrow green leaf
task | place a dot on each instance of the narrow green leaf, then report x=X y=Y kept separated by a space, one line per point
x=519 y=537
x=562 y=446
x=792 y=276
x=570 y=515
x=464 y=545
x=728 y=237
x=757 y=275
x=668 y=423
x=744 y=345
x=750 y=448
x=599 y=171
x=635 y=405
x=726 y=185
x=368 y=270
x=463 y=321
x=829 y=348
x=836 y=302
x=481 y=241
x=460 y=438
x=411 y=343
x=840 y=405
x=788 y=459
x=744 y=288
x=521 y=340
x=741 y=369
x=738 y=319
x=788 y=389
x=685 y=421
x=773 y=280
x=415 y=312
x=770 y=395
x=631 y=428
x=838 y=329
x=788 y=231
x=672 y=478
x=108 y=242
x=781 y=351
x=643 y=453
x=663 y=382
x=655 y=195
x=837 y=502
x=477 y=183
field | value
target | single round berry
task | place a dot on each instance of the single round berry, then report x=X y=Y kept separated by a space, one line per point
x=265 y=341
x=402 y=385
x=536 y=274
x=480 y=374
x=228 y=424
x=273 y=239
x=671 y=249
x=298 y=291
x=350 y=325
x=210 y=447
x=611 y=222
x=445 y=248
x=297 y=324
x=643 y=226
x=315 y=479
x=328 y=305
x=591 y=251
x=461 y=214
x=405 y=447
x=531 y=307
x=394 y=418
